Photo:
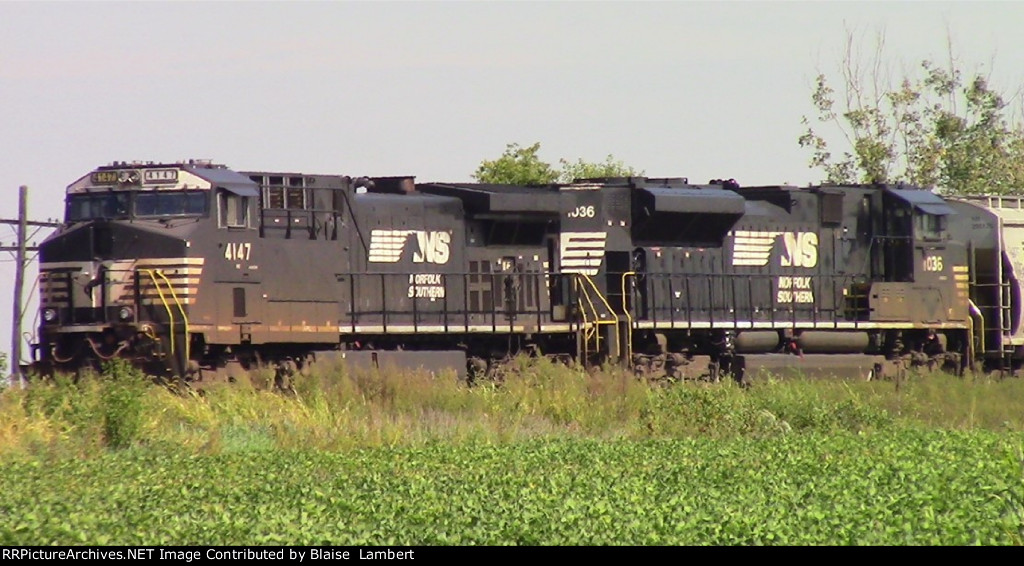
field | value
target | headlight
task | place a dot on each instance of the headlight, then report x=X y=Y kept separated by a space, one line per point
x=125 y=314
x=49 y=315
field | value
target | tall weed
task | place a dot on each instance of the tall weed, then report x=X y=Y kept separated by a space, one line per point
x=335 y=408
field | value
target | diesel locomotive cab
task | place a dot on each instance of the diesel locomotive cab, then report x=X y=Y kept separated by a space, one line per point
x=117 y=279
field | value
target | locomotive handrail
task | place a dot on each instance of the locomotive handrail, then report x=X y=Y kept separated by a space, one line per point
x=581 y=344
x=694 y=299
x=184 y=317
x=160 y=293
x=629 y=317
x=455 y=314
x=690 y=298
x=618 y=349
x=592 y=329
x=974 y=311
x=355 y=223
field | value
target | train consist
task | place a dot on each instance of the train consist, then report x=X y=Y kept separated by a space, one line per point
x=196 y=270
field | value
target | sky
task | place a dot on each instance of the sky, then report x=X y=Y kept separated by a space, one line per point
x=677 y=89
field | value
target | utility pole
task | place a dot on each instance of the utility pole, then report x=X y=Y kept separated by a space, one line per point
x=19 y=283
x=20 y=249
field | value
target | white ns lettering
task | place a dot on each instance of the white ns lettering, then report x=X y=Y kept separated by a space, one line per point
x=433 y=247
x=801 y=249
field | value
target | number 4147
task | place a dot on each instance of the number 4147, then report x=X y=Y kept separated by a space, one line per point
x=237 y=251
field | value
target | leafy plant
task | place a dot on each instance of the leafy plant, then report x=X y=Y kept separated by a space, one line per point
x=888 y=488
x=939 y=127
x=121 y=407
x=519 y=165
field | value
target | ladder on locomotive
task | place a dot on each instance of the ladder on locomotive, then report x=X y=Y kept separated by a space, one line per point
x=589 y=342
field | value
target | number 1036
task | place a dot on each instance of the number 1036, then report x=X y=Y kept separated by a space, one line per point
x=933 y=263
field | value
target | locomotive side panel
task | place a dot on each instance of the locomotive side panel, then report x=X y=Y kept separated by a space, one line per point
x=678 y=233
x=301 y=250
x=413 y=267
x=918 y=269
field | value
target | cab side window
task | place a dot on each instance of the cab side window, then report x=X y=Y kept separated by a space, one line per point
x=234 y=210
x=931 y=226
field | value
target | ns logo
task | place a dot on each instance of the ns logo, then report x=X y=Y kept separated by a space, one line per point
x=433 y=246
x=800 y=249
x=754 y=248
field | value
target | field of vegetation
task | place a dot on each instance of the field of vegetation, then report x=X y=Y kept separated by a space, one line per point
x=549 y=456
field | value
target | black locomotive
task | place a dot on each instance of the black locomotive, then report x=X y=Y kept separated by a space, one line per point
x=194 y=270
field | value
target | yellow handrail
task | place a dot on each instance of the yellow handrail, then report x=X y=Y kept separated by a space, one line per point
x=629 y=317
x=583 y=311
x=598 y=292
x=170 y=315
x=184 y=317
x=597 y=323
x=588 y=332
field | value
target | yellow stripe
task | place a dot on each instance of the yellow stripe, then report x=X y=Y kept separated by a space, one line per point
x=161 y=261
x=299 y=328
x=184 y=300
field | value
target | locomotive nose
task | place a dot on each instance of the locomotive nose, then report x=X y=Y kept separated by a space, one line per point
x=88 y=273
x=101 y=240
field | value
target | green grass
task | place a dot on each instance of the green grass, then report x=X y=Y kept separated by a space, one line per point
x=886 y=488
x=551 y=455
x=335 y=410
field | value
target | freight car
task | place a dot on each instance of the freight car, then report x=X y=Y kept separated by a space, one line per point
x=992 y=229
x=196 y=270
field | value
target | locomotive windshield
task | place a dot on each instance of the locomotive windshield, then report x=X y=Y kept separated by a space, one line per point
x=174 y=203
x=135 y=204
x=96 y=206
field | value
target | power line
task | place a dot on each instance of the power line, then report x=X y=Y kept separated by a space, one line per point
x=21 y=259
x=39 y=223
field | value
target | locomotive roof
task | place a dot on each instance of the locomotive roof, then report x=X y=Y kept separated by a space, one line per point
x=704 y=200
x=164 y=176
x=226 y=179
x=922 y=199
x=487 y=198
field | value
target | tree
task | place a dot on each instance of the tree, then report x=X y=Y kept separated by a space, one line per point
x=935 y=129
x=517 y=166
x=610 y=167
x=522 y=166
